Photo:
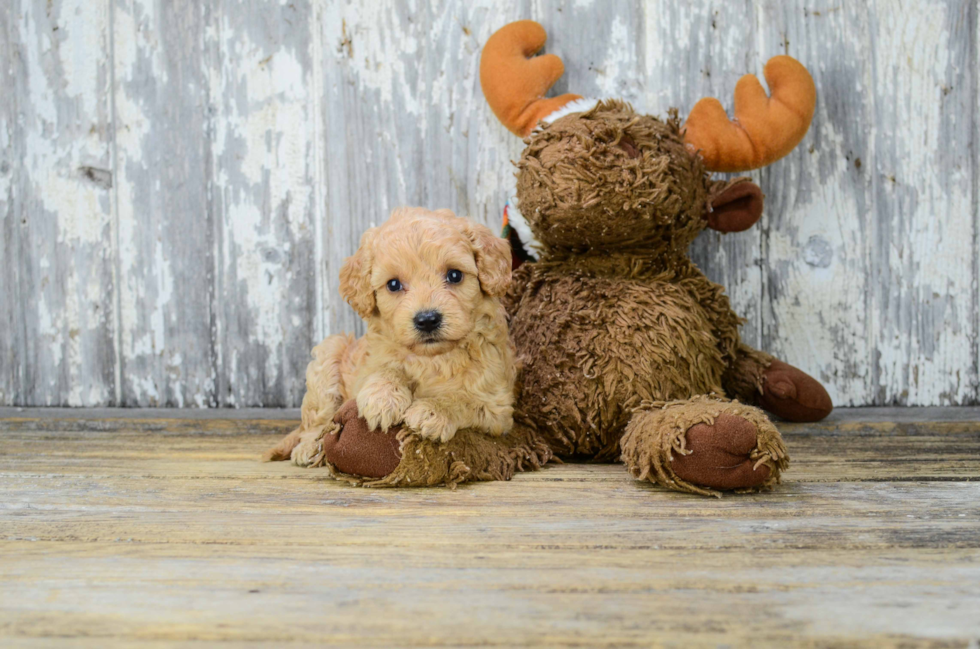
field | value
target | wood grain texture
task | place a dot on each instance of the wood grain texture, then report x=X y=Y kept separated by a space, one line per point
x=144 y=529
x=262 y=198
x=165 y=227
x=924 y=188
x=181 y=181
x=56 y=258
x=819 y=215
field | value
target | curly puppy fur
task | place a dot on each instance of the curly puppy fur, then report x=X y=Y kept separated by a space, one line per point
x=458 y=376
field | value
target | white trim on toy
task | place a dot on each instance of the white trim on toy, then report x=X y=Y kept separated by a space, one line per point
x=577 y=106
x=517 y=221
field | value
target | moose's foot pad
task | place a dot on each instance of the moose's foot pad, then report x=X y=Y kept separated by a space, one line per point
x=359 y=451
x=704 y=445
x=792 y=394
x=719 y=455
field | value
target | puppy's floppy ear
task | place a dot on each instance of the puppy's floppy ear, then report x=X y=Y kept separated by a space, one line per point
x=355 y=277
x=493 y=259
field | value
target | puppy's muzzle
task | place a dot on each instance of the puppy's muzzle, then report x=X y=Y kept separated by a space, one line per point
x=427 y=322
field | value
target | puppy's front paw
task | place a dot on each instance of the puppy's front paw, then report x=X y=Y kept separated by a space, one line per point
x=309 y=447
x=383 y=404
x=429 y=423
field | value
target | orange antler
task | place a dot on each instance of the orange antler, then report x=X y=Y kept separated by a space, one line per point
x=515 y=84
x=765 y=128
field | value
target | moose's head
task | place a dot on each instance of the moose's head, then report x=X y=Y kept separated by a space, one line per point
x=598 y=175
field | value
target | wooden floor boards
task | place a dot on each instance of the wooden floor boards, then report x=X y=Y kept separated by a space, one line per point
x=122 y=527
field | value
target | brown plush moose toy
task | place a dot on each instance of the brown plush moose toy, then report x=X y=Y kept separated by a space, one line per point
x=628 y=351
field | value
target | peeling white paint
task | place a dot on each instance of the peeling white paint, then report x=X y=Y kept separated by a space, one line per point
x=618 y=77
x=321 y=117
x=132 y=126
x=823 y=203
x=85 y=27
x=927 y=325
x=263 y=147
x=380 y=51
x=60 y=124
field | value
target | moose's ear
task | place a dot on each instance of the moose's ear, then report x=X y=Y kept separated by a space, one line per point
x=734 y=205
x=355 y=278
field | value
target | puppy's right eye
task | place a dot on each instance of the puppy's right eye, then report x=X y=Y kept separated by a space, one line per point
x=394 y=285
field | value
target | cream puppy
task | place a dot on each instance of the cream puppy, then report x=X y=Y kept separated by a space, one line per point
x=436 y=356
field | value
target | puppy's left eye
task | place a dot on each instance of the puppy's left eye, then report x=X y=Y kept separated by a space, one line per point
x=454 y=276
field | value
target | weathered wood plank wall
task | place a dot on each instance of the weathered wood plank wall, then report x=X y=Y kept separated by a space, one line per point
x=180 y=180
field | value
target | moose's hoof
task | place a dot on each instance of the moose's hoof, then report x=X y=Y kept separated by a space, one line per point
x=720 y=455
x=357 y=450
x=792 y=394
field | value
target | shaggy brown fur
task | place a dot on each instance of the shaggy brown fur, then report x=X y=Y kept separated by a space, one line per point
x=614 y=315
x=611 y=179
x=594 y=344
x=621 y=337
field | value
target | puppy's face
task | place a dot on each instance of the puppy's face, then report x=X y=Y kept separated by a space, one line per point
x=425 y=278
x=427 y=287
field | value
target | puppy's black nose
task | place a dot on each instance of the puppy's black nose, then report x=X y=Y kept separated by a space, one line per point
x=427 y=321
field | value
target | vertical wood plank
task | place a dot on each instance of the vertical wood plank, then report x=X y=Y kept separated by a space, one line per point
x=924 y=182
x=975 y=158
x=819 y=202
x=56 y=286
x=262 y=199
x=165 y=230
x=695 y=50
